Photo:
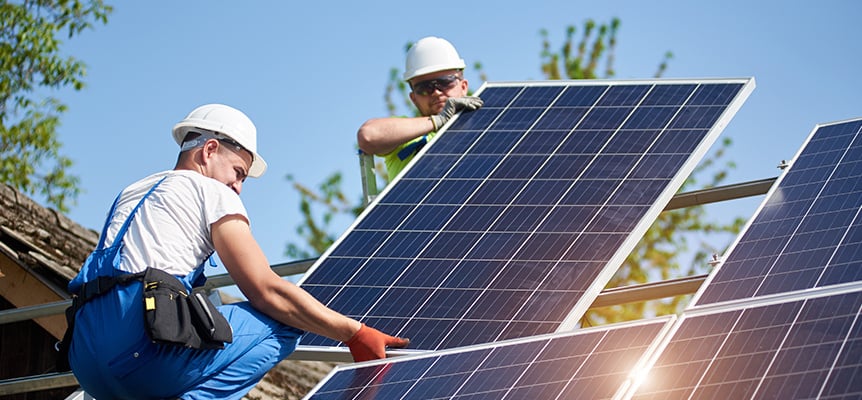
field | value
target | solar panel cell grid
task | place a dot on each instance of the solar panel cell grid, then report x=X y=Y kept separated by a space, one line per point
x=545 y=181
x=806 y=234
x=794 y=350
x=592 y=364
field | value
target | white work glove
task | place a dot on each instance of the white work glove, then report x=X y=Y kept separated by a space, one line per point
x=453 y=106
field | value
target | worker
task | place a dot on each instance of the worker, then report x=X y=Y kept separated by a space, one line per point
x=157 y=239
x=435 y=73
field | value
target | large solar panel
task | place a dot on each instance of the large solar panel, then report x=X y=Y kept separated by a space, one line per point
x=808 y=232
x=587 y=364
x=804 y=348
x=514 y=218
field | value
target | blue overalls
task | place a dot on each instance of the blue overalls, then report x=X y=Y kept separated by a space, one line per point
x=113 y=358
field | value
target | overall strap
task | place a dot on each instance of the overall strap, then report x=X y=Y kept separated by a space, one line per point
x=122 y=232
x=197 y=277
x=108 y=221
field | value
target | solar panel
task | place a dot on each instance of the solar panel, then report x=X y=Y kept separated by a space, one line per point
x=808 y=231
x=514 y=218
x=801 y=348
x=598 y=363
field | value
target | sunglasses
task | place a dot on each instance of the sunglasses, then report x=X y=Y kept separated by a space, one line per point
x=233 y=143
x=442 y=84
x=205 y=134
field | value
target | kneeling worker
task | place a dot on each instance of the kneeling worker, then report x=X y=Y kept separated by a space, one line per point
x=139 y=331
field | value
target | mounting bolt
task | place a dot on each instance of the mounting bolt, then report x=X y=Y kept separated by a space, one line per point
x=715 y=260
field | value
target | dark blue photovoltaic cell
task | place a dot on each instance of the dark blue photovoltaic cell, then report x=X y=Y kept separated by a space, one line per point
x=678 y=141
x=670 y=95
x=801 y=349
x=591 y=365
x=623 y=95
x=542 y=192
x=587 y=141
x=518 y=166
x=630 y=142
x=477 y=120
x=807 y=233
x=537 y=96
x=582 y=96
x=501 y=227
x=558 y=119
x=540 y=142
x=497 y=191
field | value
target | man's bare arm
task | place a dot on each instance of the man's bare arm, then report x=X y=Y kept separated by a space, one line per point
x=382 y=135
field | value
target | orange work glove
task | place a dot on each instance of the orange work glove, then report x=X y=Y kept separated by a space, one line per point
x=370 y=344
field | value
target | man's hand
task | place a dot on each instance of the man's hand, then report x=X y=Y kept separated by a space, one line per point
x=453 y=105
x=370 y=344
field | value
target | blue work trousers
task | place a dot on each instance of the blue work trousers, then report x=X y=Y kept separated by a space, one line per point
x=113 y=358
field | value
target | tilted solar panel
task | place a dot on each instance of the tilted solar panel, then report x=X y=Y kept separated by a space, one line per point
x=803 y=348
x=512 y=220
x=808 y=232
x=587 y=364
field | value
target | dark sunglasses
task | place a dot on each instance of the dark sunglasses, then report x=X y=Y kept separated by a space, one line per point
x=442 y=84
x=228 y=141
x=231 y=142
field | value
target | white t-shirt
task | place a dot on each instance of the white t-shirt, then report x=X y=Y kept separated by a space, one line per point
x=171 y=230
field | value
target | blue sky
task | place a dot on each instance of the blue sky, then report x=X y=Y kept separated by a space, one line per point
x=309 y=73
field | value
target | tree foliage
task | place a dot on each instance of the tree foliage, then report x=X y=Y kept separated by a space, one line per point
x=31 y=59
x=660 y=252
x=316 y=234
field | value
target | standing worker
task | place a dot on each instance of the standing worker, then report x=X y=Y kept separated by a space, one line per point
x=435 y=74
x=138 y=330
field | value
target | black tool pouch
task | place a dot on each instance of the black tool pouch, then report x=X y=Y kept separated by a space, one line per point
x=211 y=325
x=172 y=316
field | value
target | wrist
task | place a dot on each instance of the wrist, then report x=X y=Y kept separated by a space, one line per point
x=355 y=327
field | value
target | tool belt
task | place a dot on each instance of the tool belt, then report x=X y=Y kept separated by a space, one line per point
x=172 y=315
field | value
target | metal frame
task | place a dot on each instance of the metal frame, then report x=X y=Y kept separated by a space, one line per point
x=368 y=178
x=37 y=382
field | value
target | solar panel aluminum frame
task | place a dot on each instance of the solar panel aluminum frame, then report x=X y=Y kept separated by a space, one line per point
x=638 y=369
x=735 y=305
x=622 y=252
x=694 y=303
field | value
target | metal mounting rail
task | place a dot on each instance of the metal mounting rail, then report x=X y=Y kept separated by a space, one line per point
x=37 y=382
x=648 y=291
x=720 y=193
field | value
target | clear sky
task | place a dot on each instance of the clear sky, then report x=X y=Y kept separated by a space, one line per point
x=309 y=73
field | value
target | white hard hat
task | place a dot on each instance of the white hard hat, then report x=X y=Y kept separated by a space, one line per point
x=226 y=121
x=431 y=54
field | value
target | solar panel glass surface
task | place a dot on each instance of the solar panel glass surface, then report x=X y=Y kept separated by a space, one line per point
x=801 y=349
x=808 y=232
x=589 y=364
x=513 y=219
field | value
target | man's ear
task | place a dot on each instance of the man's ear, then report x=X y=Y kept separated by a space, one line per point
x=208 y=149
